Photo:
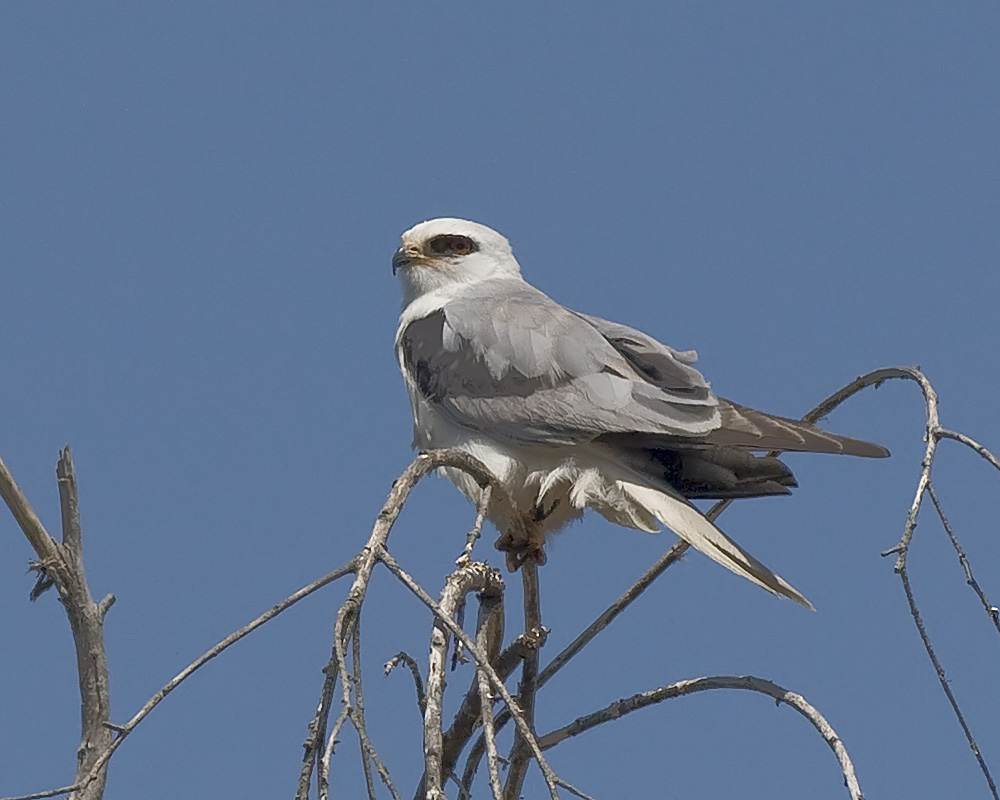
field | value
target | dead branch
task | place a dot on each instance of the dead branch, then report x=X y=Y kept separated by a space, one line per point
x=405 y=658
x=477 y=528
x=489 y=635
x=469 y=714
x=482 y=661
x=375 y=549
x=625 y=706
x=991 y=610
x=475 y=577
x=368 y=753
x=527 y=688
x=63 y=564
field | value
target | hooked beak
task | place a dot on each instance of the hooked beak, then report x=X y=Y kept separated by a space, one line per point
x=399 y=260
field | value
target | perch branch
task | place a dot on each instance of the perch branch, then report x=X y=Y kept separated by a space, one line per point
x=474 y=577
x=527 y=688
x=488 y=637
x=365 y=561
x=482 y=661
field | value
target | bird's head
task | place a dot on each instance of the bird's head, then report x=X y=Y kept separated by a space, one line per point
x=447 y=251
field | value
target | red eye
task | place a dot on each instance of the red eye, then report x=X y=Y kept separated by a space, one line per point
x=451 y=245
x=461 y=245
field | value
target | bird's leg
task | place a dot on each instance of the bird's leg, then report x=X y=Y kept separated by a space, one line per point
x=520 y=550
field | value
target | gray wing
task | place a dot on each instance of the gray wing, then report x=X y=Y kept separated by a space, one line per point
x=509 y=360
x=740 y=426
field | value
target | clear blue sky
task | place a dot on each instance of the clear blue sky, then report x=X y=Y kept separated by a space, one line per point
x=198 y=204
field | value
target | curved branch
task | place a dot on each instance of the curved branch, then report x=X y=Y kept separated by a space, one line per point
x=625 y=706
x=961 y=438
x=418 y=683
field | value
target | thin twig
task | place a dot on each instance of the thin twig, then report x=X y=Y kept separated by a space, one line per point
x=405 y=658
x=943 y=680
x=467 y=718
x=43 y=795
x=477 y=528
x=573 y=790
x=944 y=433
x=933 y=433
x=229 y=641
x=991 y=610
x=331 y=743
x=625 y=706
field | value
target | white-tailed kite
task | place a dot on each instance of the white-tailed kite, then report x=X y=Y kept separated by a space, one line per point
x=571 y=411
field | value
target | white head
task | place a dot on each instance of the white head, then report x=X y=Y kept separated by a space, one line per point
x=446 y=251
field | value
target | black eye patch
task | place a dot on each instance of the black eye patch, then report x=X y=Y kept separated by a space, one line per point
x=452 y=244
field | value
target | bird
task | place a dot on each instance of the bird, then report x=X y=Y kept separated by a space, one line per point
x=570 y=411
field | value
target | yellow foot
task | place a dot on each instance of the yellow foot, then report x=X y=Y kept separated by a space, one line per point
x=522 y=546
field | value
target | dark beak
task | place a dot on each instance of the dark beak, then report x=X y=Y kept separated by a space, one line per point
x=399 y=260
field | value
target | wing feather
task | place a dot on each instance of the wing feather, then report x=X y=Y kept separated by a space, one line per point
x=535 y=372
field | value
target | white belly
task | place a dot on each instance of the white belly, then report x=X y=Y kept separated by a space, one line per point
x=551 y=485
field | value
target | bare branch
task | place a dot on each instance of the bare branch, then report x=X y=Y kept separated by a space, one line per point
x=520 y=752
x=468 y=715
x=474 y=577
x=231 y=639
x=404 y=658
x=44 y=545
x=481 y=660
x=932 y=435
x=991 y=610
x=332 y=742
x=477 y=528
x=359 y=706
x=63 y=565
x=42 y=795
x=943 y=680
x=944 y=433
x=573 y=790
x=490 y=625
x=620 y=708
x=316 y=737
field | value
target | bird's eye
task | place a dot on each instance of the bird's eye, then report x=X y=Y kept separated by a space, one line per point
x=461 y=245
x=451 y=245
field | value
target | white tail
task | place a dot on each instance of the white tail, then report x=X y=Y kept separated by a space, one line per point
x=687 y=522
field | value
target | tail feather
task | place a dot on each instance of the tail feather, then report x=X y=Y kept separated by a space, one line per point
x=688 y=523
